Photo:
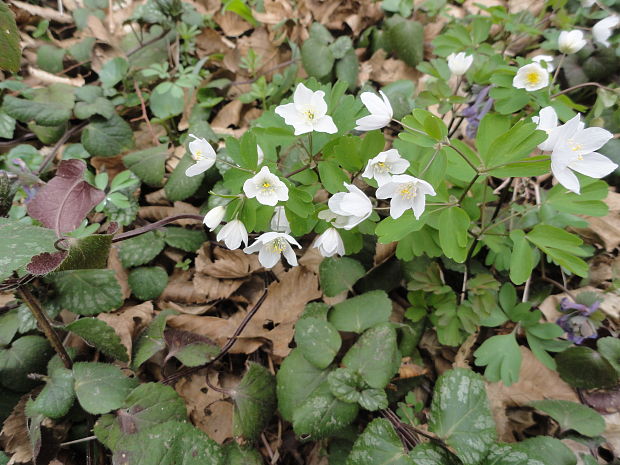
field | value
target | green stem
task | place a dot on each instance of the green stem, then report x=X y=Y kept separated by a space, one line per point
x=464 y=157
x=469 y=186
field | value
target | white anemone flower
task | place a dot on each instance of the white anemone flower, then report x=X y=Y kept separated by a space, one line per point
x=575 y=150
x=384 y=165
x=279 y=221
x=266 y=187
x=233 y=234
x=547 y=120
x=571 y=41
x=271 y=245
x=329 y=243
x=601 y=31
x=406 y=193
x=531 y=77
x=214 y=217
x=202 y=153
x=347 y=209
x=546 y=61
x=459 y=63
x=308 y=112
x=380 y=112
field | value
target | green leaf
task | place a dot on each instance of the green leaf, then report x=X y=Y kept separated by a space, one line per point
x=20 y=242
x=179 y=185
x=57 y=397
x=502 y=358
x=148 y=164
x=238 y=455
x=49 y=58
x=375 y=355
x=345 y=384
x=341 y=46
x=317 y=57
x=28 y=354
x=87 y=292
x=407 y=40
x=151 y=340
x=318 y=341
x=571 y=415
x=541 y=450
x=561 y=246
x=190 y=349
x=141 y=249
x=391 y=230
x=100 y=387
x=522 y=259
x=332 y=176
x=296 y=379
x=379 y=444
x=7 y=125
x=167 y=100
x=169 y=443
x=373 y=399
x=453 y=225
x=609 y=347
x=45 y=114
x=107 y=137
x=89 y=252
x=9 y=40
x=113 y=71
x=361 y=312
x=347 y=68
x=460 y=415
x=430 y=453
x=148 y=405
x=9 y=324
x=339 y=274
x=254 y=401
x=188 y=240
x=100 y=106
x=584 y=368
x=100 y=335
x=147 y=282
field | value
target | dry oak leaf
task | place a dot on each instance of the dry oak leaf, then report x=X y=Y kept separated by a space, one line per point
x=226 y=264
x=605 y=230
x=120 y=273
x=44 y=12
x=128 y=322
x=156 y=213
x=229 y=115
x=181 y=289
x=536 y=382
x=184 y=309
x=14 y=437
x=231 y=23
x=214 y=288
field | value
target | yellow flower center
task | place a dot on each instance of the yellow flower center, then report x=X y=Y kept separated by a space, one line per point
x=532 y=78
x=408 y=191
x=309 y=114
x=198 y=155
x=266 y=187
x=382 y=167
x=279 y=245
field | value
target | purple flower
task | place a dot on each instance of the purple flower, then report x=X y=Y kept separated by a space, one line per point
x=576 y=320
x=476 y=111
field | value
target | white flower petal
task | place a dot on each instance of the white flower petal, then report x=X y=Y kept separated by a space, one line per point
x=591 y=139
x=398 y=206
x=374 y=104
x=268 y=257
x=302 y=95
x=198 y=168
x=325 y=124
x=372 y=122
x=214 y=217
x=290 y=256
x=594 y=165
x=317 y=101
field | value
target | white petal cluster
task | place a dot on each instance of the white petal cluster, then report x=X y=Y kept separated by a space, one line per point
x=233 y=234
x=279 y=221
x=531 y=77
x=406 y=193
x=329 y=243
x=573 y=148
x=347 y=209
x=571 y=41
x=601 y=31
x=271 y=245
x=266 y=187
x=384 y=165
x=202 y=153
x=546 y=61
x=459 y=63
x=214 y=217
x=380 y=112
x=308 y=112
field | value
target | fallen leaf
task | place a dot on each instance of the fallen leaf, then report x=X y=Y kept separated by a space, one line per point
x=44 y=12
x=14 y=435
x=121 y=274
x=231 y=23
x=181 y=288
x=229 y=115
x=605 y=230
x=219 y=262
x=49 y=78
x=129 y=321
x=156 y=213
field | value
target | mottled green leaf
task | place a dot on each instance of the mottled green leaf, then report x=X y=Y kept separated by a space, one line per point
x=318 y=341
x=100 y=387
x=87 y=292
x=254 y=401
x=361 y=312
x=102 y=336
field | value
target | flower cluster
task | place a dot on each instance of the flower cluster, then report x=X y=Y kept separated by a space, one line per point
x=577 y=321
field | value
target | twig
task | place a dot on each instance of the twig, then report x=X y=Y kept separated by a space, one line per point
x=156 y=225
x=23 y=138
x=77 y=441
x=35 y=307
x=584 y=84
x=231 y=341
x=145 y=115
x=148 y=42
x=66 y=136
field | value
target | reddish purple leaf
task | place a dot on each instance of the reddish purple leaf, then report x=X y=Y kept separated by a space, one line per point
x=66 y=199
x=45 y=262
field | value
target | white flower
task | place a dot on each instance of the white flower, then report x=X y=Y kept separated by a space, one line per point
x=601 y=31
x=271 y=245
x=406 y=193
x=202 y=153
x=279 y=221
x=233 y=234
x=574 y=150
x=266 y=187
x=459 y=63
x=214 y=217
x=329 y=243
x=261 y=156
x=347 y=209
x=384 y=165
x=547 y=120
x=546 y=61
x=380 y=112
x=571 y=42
x=308 y=112
x=531 y=77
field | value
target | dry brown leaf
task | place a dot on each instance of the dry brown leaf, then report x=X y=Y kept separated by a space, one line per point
x=49 y=78
x=180 y=288
x=536 y=382
x=44 y=12
x=210 y=42
x=207 y=408
x=226 y=264
x=121 y=274
x=14 y=435
x=6 y=297
x=605 y=230
x=156 y=213
x=229 y=115
x=408 y=369
x=311 y=259
x=231 y=23
x=214 y=288
x=99 y=31
x=387 y=70
x=111 y=165
x=144 y=136
x=157 y=197
x=128 y=321
x=187 y=309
